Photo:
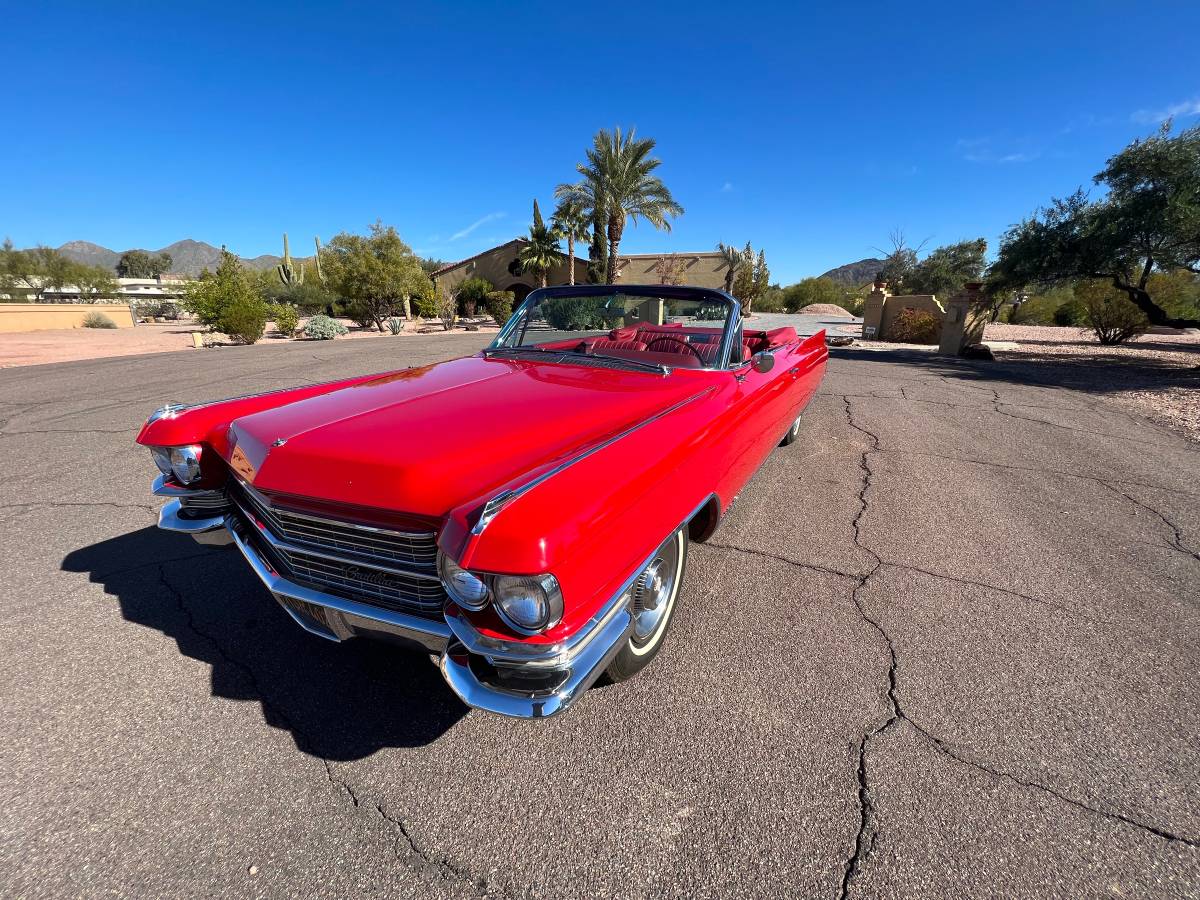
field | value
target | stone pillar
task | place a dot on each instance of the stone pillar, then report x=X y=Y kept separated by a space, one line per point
x=873 y=312
x=965 y=318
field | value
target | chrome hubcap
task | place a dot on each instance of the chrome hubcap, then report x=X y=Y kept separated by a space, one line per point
x=655 y=587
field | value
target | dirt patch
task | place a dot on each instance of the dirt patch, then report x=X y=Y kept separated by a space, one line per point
x=32 y=348
x=825 y=309
x=1156 y=375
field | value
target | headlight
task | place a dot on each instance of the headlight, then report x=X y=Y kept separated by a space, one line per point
x=162 y=459
x=528 y=604
x=185 y=464
x=466 y=589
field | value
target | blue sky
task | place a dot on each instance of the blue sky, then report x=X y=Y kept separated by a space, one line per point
x=812 y=133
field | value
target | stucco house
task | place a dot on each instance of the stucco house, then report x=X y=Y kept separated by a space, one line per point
x=500 y=267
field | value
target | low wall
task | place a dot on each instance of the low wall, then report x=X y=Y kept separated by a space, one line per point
x=46 y=316
x=881 y=309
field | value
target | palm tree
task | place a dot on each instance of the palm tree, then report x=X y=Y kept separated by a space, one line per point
x=618 y=177
x=540 y=253
x=732 y=258
x=572 y=222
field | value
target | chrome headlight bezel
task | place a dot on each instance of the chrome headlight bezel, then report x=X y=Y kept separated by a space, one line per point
x=185 y=463
x=543 y=590
x=162 y=459
x=468 y=590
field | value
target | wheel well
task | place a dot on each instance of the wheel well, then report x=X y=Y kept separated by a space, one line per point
x=705 y=521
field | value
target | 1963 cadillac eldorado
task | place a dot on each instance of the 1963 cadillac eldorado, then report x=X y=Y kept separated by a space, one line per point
x=523 y=513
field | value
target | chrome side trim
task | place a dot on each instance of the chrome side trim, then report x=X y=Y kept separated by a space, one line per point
x=498 y=502
x=345 y=617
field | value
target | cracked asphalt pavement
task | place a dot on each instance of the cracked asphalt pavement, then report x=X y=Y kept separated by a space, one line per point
x=945 y=644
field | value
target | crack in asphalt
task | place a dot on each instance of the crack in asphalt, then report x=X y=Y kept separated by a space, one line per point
x=1176 y=540
x=868 y=827
x=421 y=862
x=4 y=434
x=438 y=869
x=784 y=559
x=67 y=504
x=945 y=749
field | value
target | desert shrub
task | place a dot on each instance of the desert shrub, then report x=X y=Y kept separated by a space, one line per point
x=98 y=320
x=229 y=301
x=499 y=305
x=813 y=290
x=244 y=320
x=287 y=319
x=575 y=313
x=1069 y=314
x=395 y=324
x=772 y=300
x=323 y=328
x=446 y=309
x=472 y=294
x=915 y=326
x=1113 y=319
x=426 y=306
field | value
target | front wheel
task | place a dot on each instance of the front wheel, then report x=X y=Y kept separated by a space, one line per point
x=654 y=594
x=792 y=433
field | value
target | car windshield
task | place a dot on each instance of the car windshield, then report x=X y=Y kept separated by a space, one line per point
x=641 y=328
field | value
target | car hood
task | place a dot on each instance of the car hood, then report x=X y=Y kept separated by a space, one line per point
x=424 y=441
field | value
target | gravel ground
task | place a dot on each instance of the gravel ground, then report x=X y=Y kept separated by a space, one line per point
x=946 y=644
x=32 y=348
x=1156 y=375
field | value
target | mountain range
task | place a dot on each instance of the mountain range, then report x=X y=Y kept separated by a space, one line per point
x=188 y=257
x=856 y=273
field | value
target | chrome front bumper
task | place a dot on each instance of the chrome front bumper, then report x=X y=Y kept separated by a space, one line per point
x=480 y=670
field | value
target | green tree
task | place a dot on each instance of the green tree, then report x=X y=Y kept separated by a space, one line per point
x=376 y=273
x=140 y=264
x=540 y=253
x=947 y=269
x=572 y=223
x=732 y=257
x=743 y=282
x=472 y=294
x=93 y=281
x=19 y=276
x=808 y=291
x=618 y=177
x=762 y=275
x=229 y=301
x=1149 y=220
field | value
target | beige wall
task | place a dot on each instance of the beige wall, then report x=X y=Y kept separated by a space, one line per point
x=882 y=308
x=44 y=316
x=699 y=269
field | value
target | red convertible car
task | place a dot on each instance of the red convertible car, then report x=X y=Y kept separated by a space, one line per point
x=523 y=513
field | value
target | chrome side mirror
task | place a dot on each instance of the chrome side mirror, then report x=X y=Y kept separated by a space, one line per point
x=763 y=362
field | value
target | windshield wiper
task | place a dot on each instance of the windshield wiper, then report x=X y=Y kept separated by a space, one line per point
x=523 y=350
x=637 y=363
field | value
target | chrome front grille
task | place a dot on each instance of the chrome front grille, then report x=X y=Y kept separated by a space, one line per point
x=393 y=569
x=205 y=501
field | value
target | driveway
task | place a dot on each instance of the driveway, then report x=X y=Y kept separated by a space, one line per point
x=946 y=644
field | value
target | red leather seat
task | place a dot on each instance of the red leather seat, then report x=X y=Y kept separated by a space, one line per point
x=777 y=337
x=607 y=344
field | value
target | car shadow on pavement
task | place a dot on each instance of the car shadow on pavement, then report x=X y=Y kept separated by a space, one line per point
x=339 y=701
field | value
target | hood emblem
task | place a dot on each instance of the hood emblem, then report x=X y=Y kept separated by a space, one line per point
x=279 y=442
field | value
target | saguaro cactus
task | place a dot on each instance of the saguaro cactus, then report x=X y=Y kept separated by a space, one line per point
x=289 y=274
x=317 y=259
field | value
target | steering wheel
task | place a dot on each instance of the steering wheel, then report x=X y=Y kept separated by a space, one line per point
x=671 y=337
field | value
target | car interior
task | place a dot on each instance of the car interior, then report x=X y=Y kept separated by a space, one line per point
x=673 y=344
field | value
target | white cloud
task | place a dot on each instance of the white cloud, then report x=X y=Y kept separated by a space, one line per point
x=980 y=150
x=490 y=217
x=727 y=187
x=1184 y=110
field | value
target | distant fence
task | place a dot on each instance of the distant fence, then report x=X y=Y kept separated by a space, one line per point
x=44 y=316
